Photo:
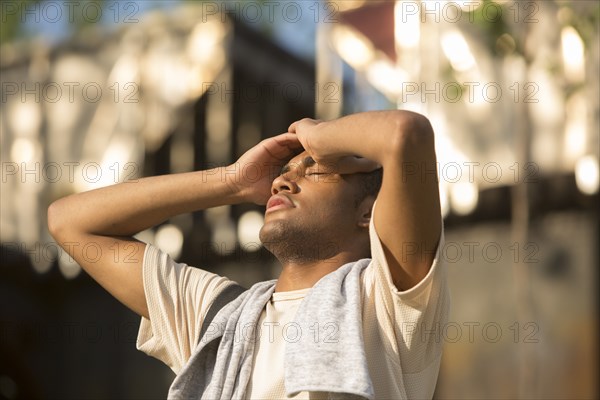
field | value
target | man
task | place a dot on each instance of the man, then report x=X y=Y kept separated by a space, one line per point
x=368 y=328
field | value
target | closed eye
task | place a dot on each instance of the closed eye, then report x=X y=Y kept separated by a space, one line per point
x=315 y=171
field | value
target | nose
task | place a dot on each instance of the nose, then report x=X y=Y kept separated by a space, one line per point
x=283 y=183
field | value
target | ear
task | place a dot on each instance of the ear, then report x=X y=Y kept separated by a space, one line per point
x=364 y=211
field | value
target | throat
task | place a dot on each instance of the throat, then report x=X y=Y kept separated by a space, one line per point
x=303 y=275
x=296 y=277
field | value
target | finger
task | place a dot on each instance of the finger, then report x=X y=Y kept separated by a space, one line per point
x=283 y=146
x=355 y=165
x=294 y=126
x=286 y=139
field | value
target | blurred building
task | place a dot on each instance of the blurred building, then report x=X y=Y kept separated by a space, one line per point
x=510 y=88
x=176 y=92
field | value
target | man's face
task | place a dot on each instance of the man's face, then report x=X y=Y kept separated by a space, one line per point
x=312 y=209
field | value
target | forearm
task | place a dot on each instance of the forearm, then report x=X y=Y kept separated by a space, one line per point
x=380 y=136
x=408 y=206
x=128 y=208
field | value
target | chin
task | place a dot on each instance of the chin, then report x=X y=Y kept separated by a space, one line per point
x=271 y=232
x=278 y=237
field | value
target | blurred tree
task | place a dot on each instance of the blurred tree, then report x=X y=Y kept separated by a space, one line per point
x=12 y=24
x=504 y=28
x=17 y=16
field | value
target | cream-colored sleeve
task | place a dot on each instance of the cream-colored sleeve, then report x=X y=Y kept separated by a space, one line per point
x=178 y=298
x=411 y=320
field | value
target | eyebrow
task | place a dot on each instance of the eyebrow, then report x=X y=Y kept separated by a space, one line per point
x=307 y=162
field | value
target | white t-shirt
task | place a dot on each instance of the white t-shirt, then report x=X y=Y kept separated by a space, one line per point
x=400 y=329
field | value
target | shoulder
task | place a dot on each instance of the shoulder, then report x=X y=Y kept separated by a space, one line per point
x=161 y=272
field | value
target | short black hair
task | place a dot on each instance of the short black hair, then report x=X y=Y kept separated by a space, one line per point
x=370 y=183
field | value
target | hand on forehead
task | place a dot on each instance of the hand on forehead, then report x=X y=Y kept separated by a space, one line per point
x=343 y=166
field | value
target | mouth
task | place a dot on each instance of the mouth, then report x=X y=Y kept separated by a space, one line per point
x=278 y=202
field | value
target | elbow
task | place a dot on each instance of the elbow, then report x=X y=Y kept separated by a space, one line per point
x=55 y=217
x=412 y=132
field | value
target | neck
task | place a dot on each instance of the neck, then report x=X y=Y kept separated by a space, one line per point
x=296 y=275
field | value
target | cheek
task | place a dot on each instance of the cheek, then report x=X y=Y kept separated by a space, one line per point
x=337 y=207
x=331 y=200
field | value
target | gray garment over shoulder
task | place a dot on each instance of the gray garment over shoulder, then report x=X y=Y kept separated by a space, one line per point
x=221 y=365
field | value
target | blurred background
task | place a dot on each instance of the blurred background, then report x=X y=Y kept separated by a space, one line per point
x=100 y=92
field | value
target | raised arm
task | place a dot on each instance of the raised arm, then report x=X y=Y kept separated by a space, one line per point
x=96 y=228
x=408 y=216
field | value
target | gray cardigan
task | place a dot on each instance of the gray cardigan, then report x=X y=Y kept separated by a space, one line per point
x=221 y=365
